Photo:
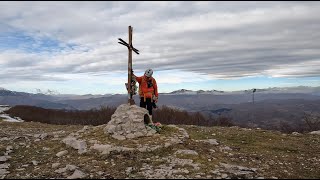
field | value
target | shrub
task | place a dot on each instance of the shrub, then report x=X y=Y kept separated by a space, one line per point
x=58 y=116
x=164 y=115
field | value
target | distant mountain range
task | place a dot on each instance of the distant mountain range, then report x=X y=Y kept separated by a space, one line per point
x=183 y=98
x=298 y=89
x=271 y=107
x=185 y=91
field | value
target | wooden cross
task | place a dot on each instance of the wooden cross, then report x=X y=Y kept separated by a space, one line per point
x=130 y=49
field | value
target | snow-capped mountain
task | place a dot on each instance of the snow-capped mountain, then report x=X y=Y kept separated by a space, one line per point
x=191 y=92
x=183 y=91
x=298 y=89
x=48 y=92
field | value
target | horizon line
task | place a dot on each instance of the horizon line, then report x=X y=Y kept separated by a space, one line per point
x=44 y=93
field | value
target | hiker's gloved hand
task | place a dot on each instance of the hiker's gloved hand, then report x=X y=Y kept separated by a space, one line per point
x=155 y=98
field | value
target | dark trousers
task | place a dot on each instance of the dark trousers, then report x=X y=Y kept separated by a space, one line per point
x=147 y=104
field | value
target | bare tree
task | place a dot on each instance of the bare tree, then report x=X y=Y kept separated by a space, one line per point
x=312 y=120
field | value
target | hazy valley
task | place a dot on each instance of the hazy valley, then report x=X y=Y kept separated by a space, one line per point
x=273 y=108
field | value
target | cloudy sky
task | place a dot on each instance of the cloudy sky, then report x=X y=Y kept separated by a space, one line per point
x=72 y=47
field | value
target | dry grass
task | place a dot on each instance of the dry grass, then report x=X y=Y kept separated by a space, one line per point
x=280 y=155
x=273 y=153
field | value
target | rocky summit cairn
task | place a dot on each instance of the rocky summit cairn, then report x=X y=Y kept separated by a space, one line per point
x=129 y=122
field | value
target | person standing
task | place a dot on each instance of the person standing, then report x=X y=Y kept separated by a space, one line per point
x=148 y=91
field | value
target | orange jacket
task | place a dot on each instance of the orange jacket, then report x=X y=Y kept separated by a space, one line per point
x=144 y=91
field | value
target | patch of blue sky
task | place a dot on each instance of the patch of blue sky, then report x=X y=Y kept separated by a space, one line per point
x=21 y=41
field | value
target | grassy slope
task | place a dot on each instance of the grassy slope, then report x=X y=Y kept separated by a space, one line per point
x=273 y=153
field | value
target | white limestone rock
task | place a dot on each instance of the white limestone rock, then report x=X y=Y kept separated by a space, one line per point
x=128 y=122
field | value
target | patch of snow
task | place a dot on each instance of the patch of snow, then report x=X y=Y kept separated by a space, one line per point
x=6 y=117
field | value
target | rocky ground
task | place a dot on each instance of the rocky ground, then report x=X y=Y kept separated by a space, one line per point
x=36 y=150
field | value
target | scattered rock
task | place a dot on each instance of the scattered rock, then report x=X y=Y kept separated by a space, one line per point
x=35 y=163
x=210 y=141
x=315 y=132
x=9 y=149
x=3 y=158
x=118 y=137
x=5 y=139
x=225 y=148
x=62 y=153
x=45 y=149
x=295 y=133
x=100 y=173
x=212 y=150
x=43 y=136
x=67 y=168
x=77 y=174
x=224 y=176
x=4 y=166
x=76 y=144
x=129 y=170
x=239 y=171
x=55 y=165
x=186 y=171
x=213 y=141
x=169 y=170
x=167 y=144
x=143 y=149
x=3 y=173
x=191 y=152
x=20 y=169
x=84 y=129
x=102 y=148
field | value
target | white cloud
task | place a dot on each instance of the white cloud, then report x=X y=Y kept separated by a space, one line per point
x=198 y=40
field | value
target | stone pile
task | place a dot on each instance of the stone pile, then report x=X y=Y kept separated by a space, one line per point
x=129 y=122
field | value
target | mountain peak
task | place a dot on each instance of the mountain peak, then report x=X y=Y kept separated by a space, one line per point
x=48 y=92
x=182 y=91
x=186 y=91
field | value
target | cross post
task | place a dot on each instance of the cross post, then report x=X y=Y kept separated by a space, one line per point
x=130 y=84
